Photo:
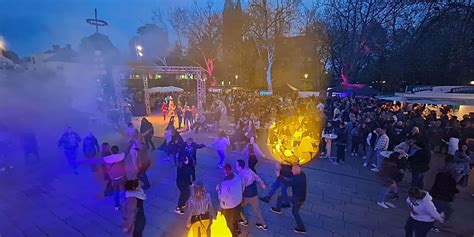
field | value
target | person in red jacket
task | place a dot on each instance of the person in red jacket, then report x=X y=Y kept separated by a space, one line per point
x=164 y=111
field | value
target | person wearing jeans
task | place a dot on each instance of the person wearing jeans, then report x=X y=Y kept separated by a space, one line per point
x=380 y=145
x=220 y=144
x=298 y=187
x=283 y=171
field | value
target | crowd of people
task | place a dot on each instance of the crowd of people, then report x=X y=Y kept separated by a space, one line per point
x=393 y=139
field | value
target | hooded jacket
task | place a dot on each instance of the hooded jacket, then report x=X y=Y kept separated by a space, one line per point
x=423 y=209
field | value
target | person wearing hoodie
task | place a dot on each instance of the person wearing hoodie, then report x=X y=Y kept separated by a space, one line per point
x=250 y=194
x=184 y=179
x=134 y=219
x=298 y=188
x=220 y=144
x=419 y=163
x=423 y=213
x=230 y=193
x=253 y=152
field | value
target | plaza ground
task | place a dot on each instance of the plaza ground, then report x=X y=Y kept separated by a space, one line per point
x=46 y=199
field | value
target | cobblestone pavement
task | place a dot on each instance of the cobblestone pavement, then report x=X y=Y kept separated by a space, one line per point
x=45 y=199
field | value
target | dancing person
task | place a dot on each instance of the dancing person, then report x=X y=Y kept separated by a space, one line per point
x=146 y=126
x=283 y=171
x=201 y=211
x=190 y=149
x=115 y=165
x=69 y=143
x=387 y=176
x=423 y=213
x=419 y=163
x=199 y=122
x=134 y=219
x=90 y=148
x=230 y=196
x=444 y=189
x=103 y=175
x=298 y=188
x=253 y=152
x=183 y=181
x=220 y=144
x=250 y=194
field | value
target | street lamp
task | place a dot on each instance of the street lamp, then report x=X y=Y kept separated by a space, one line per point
x=236 y=77
x=306 y=76
x=471 y=83
x=139 y=50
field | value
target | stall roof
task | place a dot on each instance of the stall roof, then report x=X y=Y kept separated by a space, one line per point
x=354 y=89
x=165 y=89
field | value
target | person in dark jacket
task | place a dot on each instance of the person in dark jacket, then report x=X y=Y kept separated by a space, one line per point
x=190 y=149
x=29 y=143
x=419 y=163
x=183 y=181
x=298 y=188
x=387 y=175
x=283 y=172
x=69 y=142
x=144 y=127
x=444 y=188
x=341 y=142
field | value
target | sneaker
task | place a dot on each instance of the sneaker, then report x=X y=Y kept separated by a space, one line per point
x=365 y=164
x=373 y=165
x=179 y=211
x=274 y=210
x=389 y=204
x=299 y=230
x=243 y=223
x=261 y=226
x=375 y=170
x=434 y=229
x=382 y=205
x=285 y=205
x=265 y=199
x=184 y=206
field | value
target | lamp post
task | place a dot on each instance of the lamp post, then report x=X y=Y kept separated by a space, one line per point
x=471 y=83
x=236 y=78
x=139 y=51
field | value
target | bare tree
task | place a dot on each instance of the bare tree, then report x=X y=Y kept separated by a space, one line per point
x=269 y=22
x=204 y=34
x=179 y=21
x=358 y=31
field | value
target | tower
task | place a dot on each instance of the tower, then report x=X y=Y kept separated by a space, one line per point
x=232 y=39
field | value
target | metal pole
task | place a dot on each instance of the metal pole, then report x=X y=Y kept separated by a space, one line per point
x=147 y=95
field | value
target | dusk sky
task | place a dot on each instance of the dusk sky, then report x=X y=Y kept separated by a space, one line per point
x=31 y=26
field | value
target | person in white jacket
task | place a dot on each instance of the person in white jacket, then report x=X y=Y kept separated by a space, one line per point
x=423 y=213
x=220 y=144
x=230 y=193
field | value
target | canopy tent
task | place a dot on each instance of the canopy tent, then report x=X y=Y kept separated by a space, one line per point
x=165 y=89
x=353 y=89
